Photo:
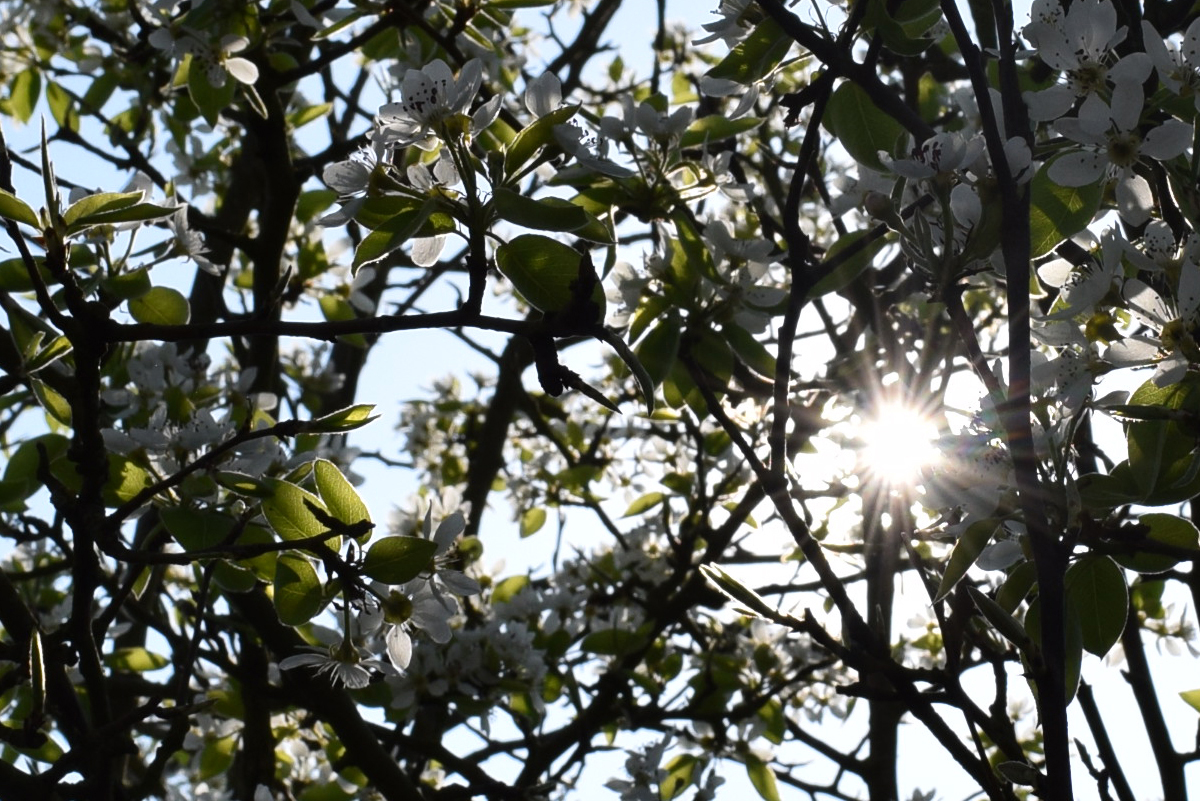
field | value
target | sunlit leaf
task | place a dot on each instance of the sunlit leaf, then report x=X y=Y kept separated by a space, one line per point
x=860 y=126
x=762 y=777
x=162 y=305
x=339 y=495
x=753 y=58
x=532 y=521
x=644 y=504
x=136 y=659
x=970 y=544
x=396 y=560
x=298 y=593
x=1059 y=212
x=1097 y=590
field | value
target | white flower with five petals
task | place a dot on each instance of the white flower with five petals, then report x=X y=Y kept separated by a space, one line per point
x=1115 y=149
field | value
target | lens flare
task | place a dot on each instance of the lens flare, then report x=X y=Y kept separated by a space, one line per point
x=898 y=442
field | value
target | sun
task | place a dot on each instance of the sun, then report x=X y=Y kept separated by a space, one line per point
x=897 y=443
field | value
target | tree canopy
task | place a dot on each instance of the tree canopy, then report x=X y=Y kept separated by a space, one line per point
x=838 y=410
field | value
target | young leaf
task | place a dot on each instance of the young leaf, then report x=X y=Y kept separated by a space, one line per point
x=860 y=126
x=298 y=592
x=762 y=777
x=532 y=521
x=753 y=58
x=396 y=560
x=533 y=138
x=348 y=419
x=13 y=208
x=966 y=551
x=339 y=495
x=1059 y=212
x=543 y=270
x=1096 y=589
x=162 y=305
x=1164 y=529
x=287 y=512
x=97 y=204
x=644 y=504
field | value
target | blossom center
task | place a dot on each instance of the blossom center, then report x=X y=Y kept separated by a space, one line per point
x=1088 y=77
x=1123 y=148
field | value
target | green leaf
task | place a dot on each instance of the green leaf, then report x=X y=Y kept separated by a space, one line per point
x=243 y=484
x=24 y=92
x=853 y=265
x=1192 y=698
x=546 y=214
x=737 y=591
x=716 y=128
x=55 y=404
x=137 y=213
x=612 y=642
x=1096 y=589
x=125 y=480
x=1164 y=529
x=658 y=350
x=861 y=127
x=1001 y=620
x=57 y=348
x=209 y=99
x=644 y=504
x=13 y=208
x=966 y=551
x=749 y=350
x=195 y=529
x=135 y=659
x=1059 y=212
x=532 y=521
x=98 y=204
x=396 y=560
x=391 y=235
x=762 y=777
x=233 y=578
x=532 y=138
x=298 y=592
x=543 y=270
x=287 y=512
x=681 y=771
x=162 y=305
x=21 y=471
x=507 y=589
x=753 y=58
x=306 y=115
x=62 y=106
x=348 y=419
x=128 y=285
x=340 y=496
x=1072 y=642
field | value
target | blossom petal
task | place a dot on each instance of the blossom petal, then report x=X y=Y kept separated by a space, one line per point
x=467 y=86
x=1134 y=199
x=1167 y=140
x=543 y=94
x=1127 y=101
x=1133 y=68
x=242 y=69
x=1050 y=103
x=346 y=177
x=425 y=250
x=486 y=114
x=1131 y=351
x=1095 y=116
x=399 y=647
x=1077 y=169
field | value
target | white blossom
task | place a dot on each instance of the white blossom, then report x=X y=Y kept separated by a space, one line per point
x=1117 y=148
